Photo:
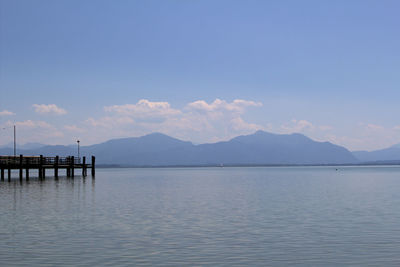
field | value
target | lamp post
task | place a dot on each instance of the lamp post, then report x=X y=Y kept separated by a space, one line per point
x=78 y=147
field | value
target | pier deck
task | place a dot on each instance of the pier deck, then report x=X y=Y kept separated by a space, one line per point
x=41 y=163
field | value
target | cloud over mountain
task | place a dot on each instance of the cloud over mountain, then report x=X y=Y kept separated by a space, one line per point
x=199 y=120
x=49 y=109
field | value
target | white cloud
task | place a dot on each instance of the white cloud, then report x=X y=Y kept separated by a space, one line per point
x=239 y=124
x=32 y=131
x=74 y=128
x=366 y=136
x=238 y=105
x=297 y=126
x=49 y=109
x=33 y=124
x=6 y=113
x=305 y=127
x=144 y=109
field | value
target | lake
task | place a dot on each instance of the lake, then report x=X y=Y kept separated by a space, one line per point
x=278 y=216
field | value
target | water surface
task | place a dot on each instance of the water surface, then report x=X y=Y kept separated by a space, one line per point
x=306 y=216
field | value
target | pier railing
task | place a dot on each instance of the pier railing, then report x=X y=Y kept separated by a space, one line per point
x=41 y=163
x=35 y=160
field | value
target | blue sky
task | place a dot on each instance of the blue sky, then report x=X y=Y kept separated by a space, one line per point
x=97 y=70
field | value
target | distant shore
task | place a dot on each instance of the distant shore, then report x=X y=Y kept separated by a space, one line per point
x=385 y=163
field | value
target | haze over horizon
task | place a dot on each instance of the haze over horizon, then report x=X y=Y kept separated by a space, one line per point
x=202 y=71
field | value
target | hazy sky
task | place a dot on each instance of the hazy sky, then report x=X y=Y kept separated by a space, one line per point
x=200 y=70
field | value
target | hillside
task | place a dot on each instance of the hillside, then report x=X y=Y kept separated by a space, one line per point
x=161 y=150
x=388 y=154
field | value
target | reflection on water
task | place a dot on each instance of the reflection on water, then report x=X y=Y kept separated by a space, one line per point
x=52 y=187
x=204 y=216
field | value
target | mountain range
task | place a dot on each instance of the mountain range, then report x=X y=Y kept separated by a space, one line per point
x=260 y=148
x=390 y=153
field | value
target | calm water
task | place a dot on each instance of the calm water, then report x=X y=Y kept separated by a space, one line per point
x=310 y=216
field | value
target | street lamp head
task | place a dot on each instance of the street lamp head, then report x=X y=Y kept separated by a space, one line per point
x=77 y=141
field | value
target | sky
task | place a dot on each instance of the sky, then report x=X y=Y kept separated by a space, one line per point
x=202 y=71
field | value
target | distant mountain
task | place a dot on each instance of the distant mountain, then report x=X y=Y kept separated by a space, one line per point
x=388 y=154
x=161 y=150
x=148 y=150
x=267 y=148
x=45 y=150
x=24 y=146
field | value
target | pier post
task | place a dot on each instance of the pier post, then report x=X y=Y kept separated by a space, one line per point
x=84 y=166
x=72 y=166
x=21 y=157
x=93 y=165
x=9 y=174
x=68 y=166
x=41 y=166
x=56 y=167
x=27 y=169
x=2 y=171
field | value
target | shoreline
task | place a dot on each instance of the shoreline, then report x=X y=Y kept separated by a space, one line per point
x=110 y=166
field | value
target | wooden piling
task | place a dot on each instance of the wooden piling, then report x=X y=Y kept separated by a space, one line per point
x=93 y=165
x=21 y=157
x=41 y=166
x=84 y=167
x=56 y=167
x=9 y=175
x=69 y=167
x=2 y=174
x=72 y=166
x=27 y=168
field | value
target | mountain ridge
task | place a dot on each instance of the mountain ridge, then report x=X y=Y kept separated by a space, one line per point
x=158 y=149
x=391 y=153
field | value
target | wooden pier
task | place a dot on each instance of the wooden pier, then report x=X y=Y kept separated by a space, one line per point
x=40 y=163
